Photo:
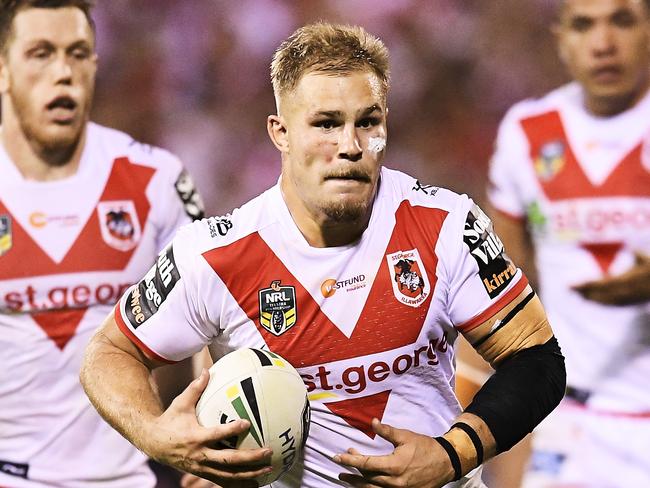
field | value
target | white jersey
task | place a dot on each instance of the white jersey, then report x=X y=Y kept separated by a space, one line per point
x=370 y=326
x=583 y=183
x=68 y=250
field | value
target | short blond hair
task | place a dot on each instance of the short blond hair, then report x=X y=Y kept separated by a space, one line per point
x=328 y=48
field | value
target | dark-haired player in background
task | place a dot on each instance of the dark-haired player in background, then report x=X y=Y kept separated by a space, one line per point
x=570 y=181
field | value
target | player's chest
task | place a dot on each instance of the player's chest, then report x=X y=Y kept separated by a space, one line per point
x=95 y=224
x=572 y=156
x=381 y=295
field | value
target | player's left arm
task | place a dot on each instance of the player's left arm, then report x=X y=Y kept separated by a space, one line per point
x=530 y=376
x=506 y=324
x=528 y=384
x=629 y=288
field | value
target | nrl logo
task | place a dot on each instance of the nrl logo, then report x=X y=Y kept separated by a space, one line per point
x=550 y=160
x=277 y=308
x=410 y=282
x=119 y=224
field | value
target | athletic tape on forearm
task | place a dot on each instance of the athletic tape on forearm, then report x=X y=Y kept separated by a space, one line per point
x=524 y=389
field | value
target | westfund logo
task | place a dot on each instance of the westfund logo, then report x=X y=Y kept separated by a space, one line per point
x=145 y=298
x=494 y=266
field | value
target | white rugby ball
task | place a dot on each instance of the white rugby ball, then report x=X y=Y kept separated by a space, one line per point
x=263 y=388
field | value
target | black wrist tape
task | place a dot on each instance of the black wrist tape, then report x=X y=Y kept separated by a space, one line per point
x=476 y=440
x=453 y=456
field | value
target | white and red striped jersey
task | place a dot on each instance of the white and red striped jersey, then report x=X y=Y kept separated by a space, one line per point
x=68 y=250
x=583 y=184
x=370 y=326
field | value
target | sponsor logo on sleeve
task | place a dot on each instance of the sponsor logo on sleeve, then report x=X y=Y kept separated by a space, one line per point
x=410 y=281
x=145 y=299
x=278 y=309
x=119 y=224
x=495 y=267
x=5 y=234
x=192 y=201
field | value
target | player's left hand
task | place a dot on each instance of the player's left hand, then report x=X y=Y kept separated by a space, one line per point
x=629 y=288
x=417 y=461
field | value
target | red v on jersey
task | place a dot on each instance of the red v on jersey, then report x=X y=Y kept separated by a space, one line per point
x=359 y=412
x=59 y=325
x=565 y=178
x=249 y=265
x=89 y=252
x=604 y=253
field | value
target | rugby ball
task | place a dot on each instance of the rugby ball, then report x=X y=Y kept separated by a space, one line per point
x=263 y=388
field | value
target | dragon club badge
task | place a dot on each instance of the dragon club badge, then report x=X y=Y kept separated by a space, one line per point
x=119 y=224
x=277 y=308
x=410 y=282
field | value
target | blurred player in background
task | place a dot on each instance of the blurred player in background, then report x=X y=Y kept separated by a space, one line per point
x=413 y=266
x=84 y=210
x=570 y=183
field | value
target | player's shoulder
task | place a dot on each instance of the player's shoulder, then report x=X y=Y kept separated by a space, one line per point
x=223 y=230
x=117 y=144
x=422 y=193
x=554 y=101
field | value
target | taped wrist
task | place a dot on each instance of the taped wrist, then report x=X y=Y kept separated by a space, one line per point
x=473 y=436
x=524 y=389
x=453 y=456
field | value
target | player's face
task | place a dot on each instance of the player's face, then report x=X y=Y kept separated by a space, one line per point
x=47 y=75
x=336 y=135
x=605 y=44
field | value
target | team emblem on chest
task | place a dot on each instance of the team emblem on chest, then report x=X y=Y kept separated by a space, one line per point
x=119 y=224
x=410 y=282
x=278 y=308
x=5 y=234
x=550 y=160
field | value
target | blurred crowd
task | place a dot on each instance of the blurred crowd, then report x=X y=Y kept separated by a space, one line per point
x=192 y=76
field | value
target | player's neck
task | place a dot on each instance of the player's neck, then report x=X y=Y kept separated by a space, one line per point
x=35 y=162
x=318 y=231
x=331 y=234
x=612 y=106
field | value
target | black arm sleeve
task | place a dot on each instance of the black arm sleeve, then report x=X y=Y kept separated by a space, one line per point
x=524 y=389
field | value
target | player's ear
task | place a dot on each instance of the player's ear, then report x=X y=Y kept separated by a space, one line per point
x=277 y=129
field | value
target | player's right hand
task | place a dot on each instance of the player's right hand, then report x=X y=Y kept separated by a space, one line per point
x=177 y=439
x=629 y=288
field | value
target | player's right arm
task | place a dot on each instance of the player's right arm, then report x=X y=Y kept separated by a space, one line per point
x=117 y=375
x=117 y=378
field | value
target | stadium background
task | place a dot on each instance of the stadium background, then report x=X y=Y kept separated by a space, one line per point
x=192 y=76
